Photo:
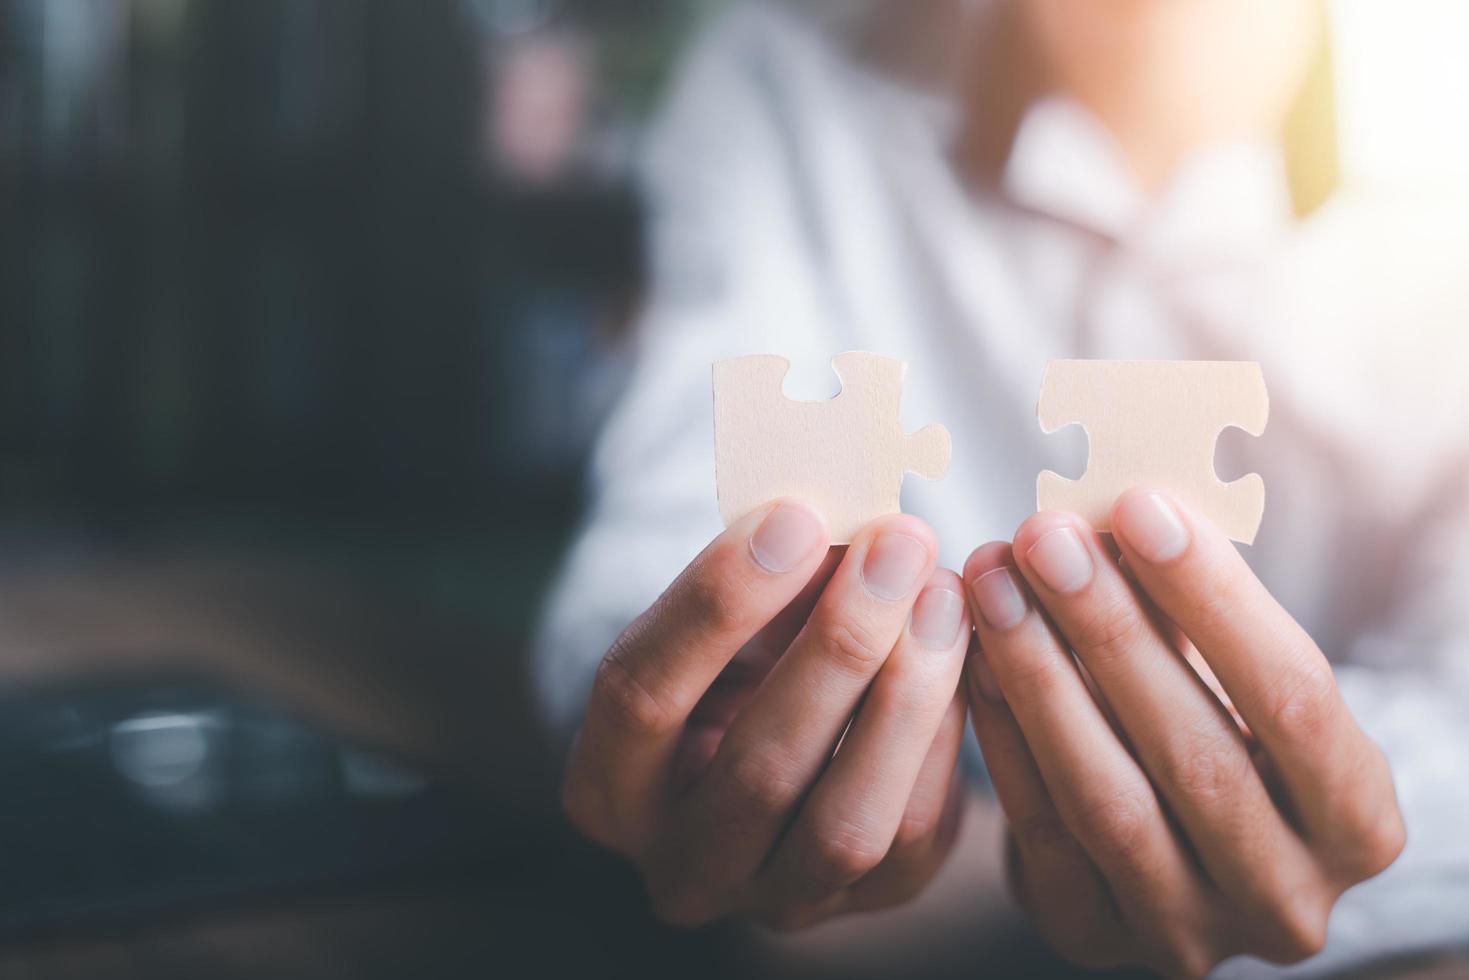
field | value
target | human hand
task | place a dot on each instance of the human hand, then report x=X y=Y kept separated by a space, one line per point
x=790 y=787
x=1149 y=822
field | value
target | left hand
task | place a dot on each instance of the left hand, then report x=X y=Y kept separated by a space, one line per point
x=1151 y=824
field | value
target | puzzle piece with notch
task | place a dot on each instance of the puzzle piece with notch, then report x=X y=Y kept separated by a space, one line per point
x=846 y=455
x=1155 y=424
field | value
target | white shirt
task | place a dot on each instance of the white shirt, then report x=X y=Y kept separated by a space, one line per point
x=804 y=203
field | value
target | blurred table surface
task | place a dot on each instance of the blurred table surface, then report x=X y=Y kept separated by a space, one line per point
x=335 y=652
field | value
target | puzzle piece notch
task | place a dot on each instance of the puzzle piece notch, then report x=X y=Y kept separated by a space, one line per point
x=847 y=455
x=1155 y=424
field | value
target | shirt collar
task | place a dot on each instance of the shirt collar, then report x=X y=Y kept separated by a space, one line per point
x=1065 y=164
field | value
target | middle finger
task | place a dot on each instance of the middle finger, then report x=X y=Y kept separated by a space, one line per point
x=1188 y=743
x=786 y=735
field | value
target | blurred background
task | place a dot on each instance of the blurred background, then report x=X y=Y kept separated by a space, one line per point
x=309 y=311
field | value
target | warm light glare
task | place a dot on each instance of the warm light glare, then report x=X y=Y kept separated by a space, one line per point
x=1403 y=91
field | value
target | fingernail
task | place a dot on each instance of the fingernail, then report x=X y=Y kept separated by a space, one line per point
x=937 y=616
x=999 y=597
x=786 y=537
x=893 y=564
x=1061 y=560
x=1152 y=526
x=985 y=678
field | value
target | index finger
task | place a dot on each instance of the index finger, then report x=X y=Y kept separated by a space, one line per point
x=1275 y=674
x=660 y=667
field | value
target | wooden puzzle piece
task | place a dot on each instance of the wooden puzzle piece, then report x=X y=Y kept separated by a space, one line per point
x=1155 y=424
x=846 y=455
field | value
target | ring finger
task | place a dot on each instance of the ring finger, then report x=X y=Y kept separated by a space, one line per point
x=1102 y=796
x=1053 y=874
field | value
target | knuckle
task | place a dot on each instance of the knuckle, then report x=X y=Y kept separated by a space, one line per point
x=1121 y=825
x=908 y=693
x=841 y=852
x=1299 y=927
x=1373 y=833
x=1208 y=771
x=928 y=834
x=1384 y=843
x=1304 y=705
x=853 y=646
x=712 y=597
x=1036 y=680
x=917 y=828
x=1214 y=604
x=756 y=781
x=1108 y=637
x=629 y=703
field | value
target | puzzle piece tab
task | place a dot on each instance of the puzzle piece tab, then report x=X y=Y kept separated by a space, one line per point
x=846 y=455
x=1155 y=424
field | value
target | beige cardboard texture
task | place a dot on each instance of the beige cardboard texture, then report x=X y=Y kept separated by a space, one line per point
x=846 y=455
x=1155 y=424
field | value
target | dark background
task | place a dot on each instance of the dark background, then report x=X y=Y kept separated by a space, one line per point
x=298 y=369
x=259 y=268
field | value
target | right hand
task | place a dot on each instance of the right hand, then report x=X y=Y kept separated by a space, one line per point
x=817 y=780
